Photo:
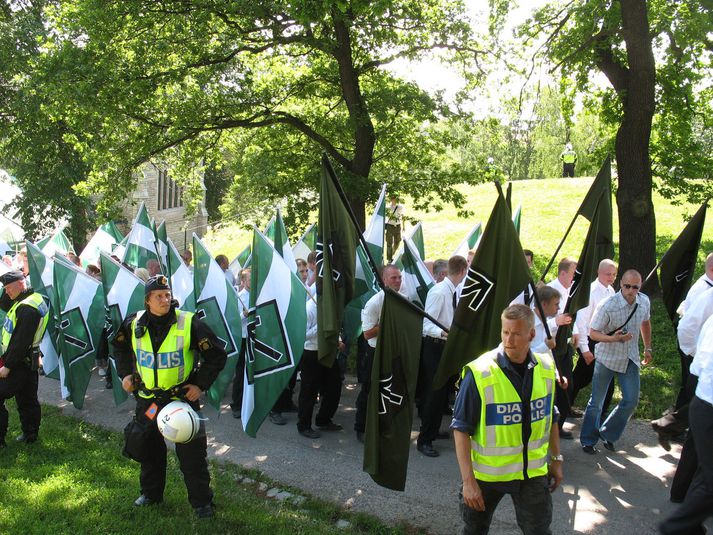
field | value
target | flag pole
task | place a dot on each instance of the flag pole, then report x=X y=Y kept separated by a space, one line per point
x=543 y=318
x=362 y=241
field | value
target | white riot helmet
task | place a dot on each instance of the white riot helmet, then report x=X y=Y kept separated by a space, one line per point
x=178 y=422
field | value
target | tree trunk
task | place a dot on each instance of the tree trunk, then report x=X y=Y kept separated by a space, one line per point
x=363 y=128
x=637 y=222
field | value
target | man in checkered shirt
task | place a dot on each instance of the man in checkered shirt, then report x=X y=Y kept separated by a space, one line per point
x=616 y=325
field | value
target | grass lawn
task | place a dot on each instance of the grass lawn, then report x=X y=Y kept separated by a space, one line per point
x=75 y=481
x=547 y=210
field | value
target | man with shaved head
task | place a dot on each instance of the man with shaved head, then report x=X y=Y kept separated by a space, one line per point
x=616 y=325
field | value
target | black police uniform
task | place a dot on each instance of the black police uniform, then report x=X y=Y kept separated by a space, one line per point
x=22 y=361
x=192 y=455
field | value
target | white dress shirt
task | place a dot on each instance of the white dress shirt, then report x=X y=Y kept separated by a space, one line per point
x=538 y=344
x=243 y=304
x=564 y=295
x=371 y=314
x=689 y=327
x=311 y=331
x=597 y=293
x=439 y=304
x=702 y=365
x=701 y=285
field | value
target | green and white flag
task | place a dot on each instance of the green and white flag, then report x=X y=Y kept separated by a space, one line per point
x=365 y=285
x=42 y=279
x=106 y=237
x=416 y=237
x=416 y=279
x=217 y=305
x=141 y=244
x=161 y=239
x=516 y=217
x=277 y=320
x=282 y=243
x=270 y=229
x=181 y=280
x=124 y=295
x=80 y=302
x=120 y=249
x=55 y=243
x=306 y=244
x=470 y=242
x=374 y=234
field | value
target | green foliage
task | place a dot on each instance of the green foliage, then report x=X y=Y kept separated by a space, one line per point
x=527 y=141
x=262 y=88
x=580 y=35
x=33 y=142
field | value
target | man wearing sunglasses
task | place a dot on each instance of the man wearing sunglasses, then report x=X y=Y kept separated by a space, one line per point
x=616 y=325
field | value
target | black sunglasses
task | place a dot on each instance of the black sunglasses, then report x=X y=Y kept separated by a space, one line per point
x=631 y=286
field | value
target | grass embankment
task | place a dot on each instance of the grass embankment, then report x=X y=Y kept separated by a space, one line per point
x=75 y=481
x=547 y=210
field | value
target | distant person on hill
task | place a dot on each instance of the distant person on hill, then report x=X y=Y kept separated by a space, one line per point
x=569 y=159
x=394 y=226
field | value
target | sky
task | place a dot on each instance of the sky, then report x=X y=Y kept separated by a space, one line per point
x=433 y=76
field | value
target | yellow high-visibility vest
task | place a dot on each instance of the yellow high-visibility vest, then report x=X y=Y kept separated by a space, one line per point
x=172 y=363
x=568 y=156
x=36 y=301
x=496 y=447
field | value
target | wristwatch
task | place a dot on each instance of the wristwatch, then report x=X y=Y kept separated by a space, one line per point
x=557 y=458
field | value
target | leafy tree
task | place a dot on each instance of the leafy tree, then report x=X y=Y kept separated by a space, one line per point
x=277 y=82
x=32 y=143
x=655 y=56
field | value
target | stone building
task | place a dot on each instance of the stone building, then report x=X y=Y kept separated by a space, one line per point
x=163 y=200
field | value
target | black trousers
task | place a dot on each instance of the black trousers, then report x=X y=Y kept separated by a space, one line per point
x=433 y=401
x=582 y=376
x=698 y=506
x=684 y=395
x=318 y=379
x=364 y=377
x=688 y=462
x=284 y=402
x=567 y=170
x=22 y=385
x=191 y=459
x=239 y=381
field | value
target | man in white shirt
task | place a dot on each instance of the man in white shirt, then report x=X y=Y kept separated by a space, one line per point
x=599 y=290
x=239 y=381
x=440 y=304
x=317 y=379
x=370 y=317
x=698 y=503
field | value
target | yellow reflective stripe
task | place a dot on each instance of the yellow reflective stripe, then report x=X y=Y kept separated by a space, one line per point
x=503 y=470
x=495 y=450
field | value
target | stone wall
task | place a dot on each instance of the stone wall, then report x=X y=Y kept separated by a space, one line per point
x=179 y=229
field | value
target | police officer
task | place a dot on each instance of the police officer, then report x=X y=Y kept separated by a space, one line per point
x=157 y=357
x=504 y=413
x=25 y=324
x=569 y=159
